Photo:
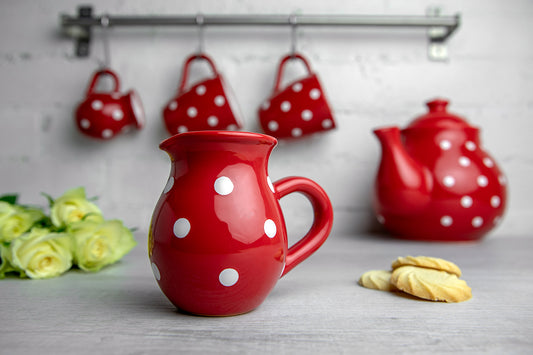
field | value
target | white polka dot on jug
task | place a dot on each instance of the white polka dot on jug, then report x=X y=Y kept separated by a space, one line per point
x=270 y=184
x=182 y=227
x=223 y=186
x=168 y=186
x=270 y=228
x=156 y=272
x=228 y=277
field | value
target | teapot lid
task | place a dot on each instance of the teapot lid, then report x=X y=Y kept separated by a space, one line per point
x=439 y=117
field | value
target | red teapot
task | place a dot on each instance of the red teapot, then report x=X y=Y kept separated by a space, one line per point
x=435 y=182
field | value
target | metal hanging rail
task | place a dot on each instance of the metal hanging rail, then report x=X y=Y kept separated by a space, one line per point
x=440 y=28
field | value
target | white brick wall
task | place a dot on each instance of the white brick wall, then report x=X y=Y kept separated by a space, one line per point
x=373 y=77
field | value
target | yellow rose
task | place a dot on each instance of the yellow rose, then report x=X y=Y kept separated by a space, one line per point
x=72 y=207
x=5 y=264
x=99 y=244
x=18 y=221
x=6 y=209
x=41 y=254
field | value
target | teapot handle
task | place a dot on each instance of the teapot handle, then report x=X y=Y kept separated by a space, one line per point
x=185 y=73
x=98 y=74
x=323 y=218
x=284 y=61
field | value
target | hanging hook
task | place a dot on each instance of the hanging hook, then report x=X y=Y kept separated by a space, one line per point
x=104 y=22
x=201 y=38
x=293 y=22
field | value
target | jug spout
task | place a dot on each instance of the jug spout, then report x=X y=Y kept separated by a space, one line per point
x=403 y=185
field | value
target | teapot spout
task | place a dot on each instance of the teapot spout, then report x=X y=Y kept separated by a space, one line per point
x=403 y=185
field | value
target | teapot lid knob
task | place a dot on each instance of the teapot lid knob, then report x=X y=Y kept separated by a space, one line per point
x=438 y=117
x=437 y=105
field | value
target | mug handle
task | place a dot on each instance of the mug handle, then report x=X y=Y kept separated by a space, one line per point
x=322 y=223
x=284 y=61
x=186 y=66
x=97 y=75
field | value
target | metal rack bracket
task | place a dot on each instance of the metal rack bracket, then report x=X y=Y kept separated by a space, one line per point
x=439 y=28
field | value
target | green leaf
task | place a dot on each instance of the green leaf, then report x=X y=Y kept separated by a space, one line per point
x=49 y=198
x=11 y=198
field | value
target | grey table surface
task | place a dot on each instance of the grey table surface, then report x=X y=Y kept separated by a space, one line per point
x=316 y=308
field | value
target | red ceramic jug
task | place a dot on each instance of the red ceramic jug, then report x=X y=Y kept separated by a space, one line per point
x=217 y=241
x=206 y=105
x=103 y=115
x=300 y=108
x=435 y=181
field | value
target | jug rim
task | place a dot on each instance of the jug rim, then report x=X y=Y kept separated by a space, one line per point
x=222 y=136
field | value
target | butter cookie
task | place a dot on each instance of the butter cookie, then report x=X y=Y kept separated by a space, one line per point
x=377 y=280
x=427 y=262
x=430 y=284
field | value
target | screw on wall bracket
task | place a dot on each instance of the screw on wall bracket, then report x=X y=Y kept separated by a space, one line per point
x=80 y=32
x=437 y=35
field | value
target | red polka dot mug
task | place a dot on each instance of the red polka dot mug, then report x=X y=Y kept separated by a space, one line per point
x=103 y=115
x=435 y=181
x=300 y=108
x=206 y=105
x=217 y=241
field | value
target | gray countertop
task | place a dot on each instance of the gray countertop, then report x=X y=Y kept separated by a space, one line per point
x=316 y=308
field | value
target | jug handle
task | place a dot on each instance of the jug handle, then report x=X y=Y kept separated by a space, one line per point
x=322 y=223
x=185 y=73
x=284 y=61
x=97 y=76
